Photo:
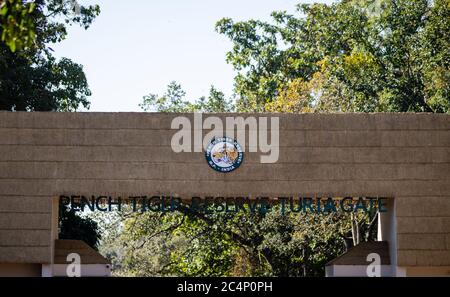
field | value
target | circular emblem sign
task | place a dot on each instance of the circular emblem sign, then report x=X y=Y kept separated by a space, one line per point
x=224 y=154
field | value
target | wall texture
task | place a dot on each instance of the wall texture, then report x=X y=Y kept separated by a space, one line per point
x=406 y=156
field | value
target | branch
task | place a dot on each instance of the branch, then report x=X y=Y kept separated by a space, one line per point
x=168 y=229
x=234 y=236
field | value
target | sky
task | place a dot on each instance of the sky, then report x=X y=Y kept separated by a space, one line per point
x=137 y=47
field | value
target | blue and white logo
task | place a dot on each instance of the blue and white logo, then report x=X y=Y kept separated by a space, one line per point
x=224 y=154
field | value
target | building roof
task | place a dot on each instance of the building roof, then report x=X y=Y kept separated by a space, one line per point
x=64 y=247
x=357 y=255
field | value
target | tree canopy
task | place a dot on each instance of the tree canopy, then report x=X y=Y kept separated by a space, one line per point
x=31 y=78
x=174 y=100
x=351 y=56
x=73 y=226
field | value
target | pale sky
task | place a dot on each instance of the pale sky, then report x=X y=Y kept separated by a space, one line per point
x=136 y=47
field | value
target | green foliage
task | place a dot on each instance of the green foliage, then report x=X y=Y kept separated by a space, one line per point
x=192 y=243
x=174 y=100
x=216 y=102
x=17 y=23
x=208 y=252
x=72 y=226
x=47 y=85
x=28 y=25
x=31 y=79
x=351 y=56
x=137 y=244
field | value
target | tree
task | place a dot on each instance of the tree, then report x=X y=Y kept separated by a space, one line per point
x=72 y=226
x=31 y=79
x=174 y=100
x=193 y=243
x=351 y=56
x=17 y=23
x=216 y=102
x=45 y=85
x=31 y=24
